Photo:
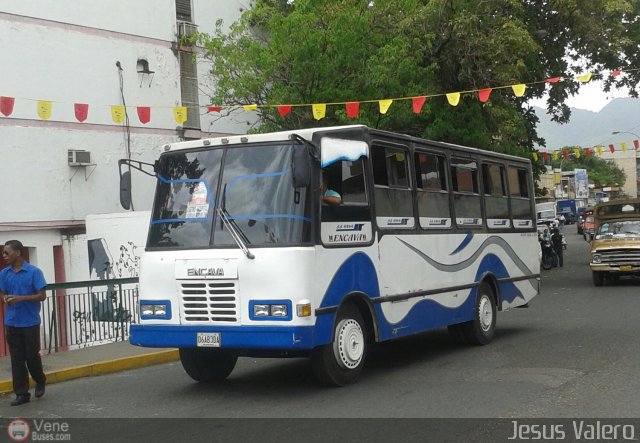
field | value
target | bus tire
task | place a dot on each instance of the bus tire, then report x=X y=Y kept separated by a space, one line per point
x=598 y=278
x=481 y=329
x=340 y=362
x=207 y=365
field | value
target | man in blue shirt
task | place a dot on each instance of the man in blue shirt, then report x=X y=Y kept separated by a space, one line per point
x=22 y=288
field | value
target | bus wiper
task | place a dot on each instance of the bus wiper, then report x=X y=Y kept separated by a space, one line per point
x=236 y=233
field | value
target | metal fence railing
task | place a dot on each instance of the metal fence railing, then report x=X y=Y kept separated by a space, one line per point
x=86 y=313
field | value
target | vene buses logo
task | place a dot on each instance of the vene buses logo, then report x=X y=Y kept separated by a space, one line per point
x=18 y=430
x=205 y=272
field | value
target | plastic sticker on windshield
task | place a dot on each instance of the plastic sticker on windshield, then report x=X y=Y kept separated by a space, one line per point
x=198 y=206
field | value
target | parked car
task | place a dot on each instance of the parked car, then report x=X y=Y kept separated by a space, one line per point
x=588 y=227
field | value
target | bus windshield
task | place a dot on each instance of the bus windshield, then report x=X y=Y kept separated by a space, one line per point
x=252 y=184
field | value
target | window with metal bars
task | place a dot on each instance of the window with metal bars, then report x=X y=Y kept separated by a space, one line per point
x=189 y=89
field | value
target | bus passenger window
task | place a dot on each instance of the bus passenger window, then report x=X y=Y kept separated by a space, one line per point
x=495 y=196
x=394 y=206
x=432 y=191
x=518 y=181
x=466 y=198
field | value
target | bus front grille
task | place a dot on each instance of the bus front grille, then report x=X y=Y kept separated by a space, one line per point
x=209 y=301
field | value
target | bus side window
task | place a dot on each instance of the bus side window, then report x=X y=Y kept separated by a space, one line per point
x=432 y=191
x=518 y=180
x=347 y=179
x=466 y=193
x=495 y=195
x=394 y=206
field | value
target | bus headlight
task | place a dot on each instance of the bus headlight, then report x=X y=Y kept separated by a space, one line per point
x=155 y=309
x=596 y=258
x=260 y=310
x=270 y=310
x=279 y=310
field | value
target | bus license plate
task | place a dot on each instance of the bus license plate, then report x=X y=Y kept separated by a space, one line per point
x=208 y=339
x=626 y=267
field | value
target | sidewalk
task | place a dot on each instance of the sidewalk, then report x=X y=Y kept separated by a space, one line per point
x=94 y=360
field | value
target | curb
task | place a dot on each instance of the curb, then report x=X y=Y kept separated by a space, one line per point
x=100 y=368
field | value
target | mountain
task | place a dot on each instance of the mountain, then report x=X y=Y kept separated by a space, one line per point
x=587 y=128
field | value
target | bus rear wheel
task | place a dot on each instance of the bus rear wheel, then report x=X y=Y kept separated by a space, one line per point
x=340 y=362
x=207 y=365
x=481 y=329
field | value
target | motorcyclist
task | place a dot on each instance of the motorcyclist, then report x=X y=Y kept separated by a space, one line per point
x=556 y=241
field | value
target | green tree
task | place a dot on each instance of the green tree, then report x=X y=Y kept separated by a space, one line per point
x=601 y=172
x=326 y=51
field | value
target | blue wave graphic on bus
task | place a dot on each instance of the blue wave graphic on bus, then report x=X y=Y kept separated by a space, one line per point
x=464 y=243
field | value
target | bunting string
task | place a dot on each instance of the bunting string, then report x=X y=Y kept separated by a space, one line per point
x=45 y=108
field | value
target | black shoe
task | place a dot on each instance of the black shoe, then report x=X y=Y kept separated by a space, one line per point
x=21 y=399
x=39 y=390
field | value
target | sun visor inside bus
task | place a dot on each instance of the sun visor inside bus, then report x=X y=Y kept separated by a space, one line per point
x=337 y=149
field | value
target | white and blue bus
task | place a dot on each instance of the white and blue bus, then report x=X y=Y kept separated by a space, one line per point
x=245 y=258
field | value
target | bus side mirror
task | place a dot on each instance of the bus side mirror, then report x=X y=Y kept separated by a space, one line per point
x=301 y=166
x=125 y=189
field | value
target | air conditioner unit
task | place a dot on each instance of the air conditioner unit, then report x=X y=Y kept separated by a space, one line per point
x=186 y=29
x=79 y=157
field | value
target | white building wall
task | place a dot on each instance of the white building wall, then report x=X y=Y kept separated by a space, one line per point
x=66 y=52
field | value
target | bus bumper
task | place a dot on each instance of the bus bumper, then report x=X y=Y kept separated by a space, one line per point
x=237 y=337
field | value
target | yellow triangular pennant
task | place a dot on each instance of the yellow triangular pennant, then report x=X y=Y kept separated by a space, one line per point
x=584 y=78
x=453 y=98
x=117 y=114
x=555 y=155
x=518 y=90
x=624 y=146
x=599 y=149
x=44 y=109
x=250 y=107
x=576 y=152
x=180 y=114
x=319 y=110
x=535 y=156
x=384 y=105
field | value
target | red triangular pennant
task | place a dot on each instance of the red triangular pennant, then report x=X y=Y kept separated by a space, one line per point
x=612 y=148
x=352 y=109
x=616 y=72
x=636 y=144
x=483 y=94
x=565 y=154
x=552 y=80
x=81 y=110
x=214 y=108
x=544 y=155
x=284 y=110
x=417 y=103
x=144 y=114
x=6 y=105
x=587 y=152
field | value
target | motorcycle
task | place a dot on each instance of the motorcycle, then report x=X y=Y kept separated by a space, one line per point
x=548 y=255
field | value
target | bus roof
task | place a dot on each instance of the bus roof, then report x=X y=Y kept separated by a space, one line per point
x=308 y=134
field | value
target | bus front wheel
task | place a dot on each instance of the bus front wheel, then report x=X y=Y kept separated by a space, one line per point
x=340 y=363
x=207 y=365
x=481 y=329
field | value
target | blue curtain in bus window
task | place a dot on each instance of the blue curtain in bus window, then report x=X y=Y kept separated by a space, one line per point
x=466 y=197
x=495 y=194
x=518 y=179
x=392 y=194
x=432 y=191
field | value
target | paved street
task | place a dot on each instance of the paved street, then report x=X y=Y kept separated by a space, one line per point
x=574 y=352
